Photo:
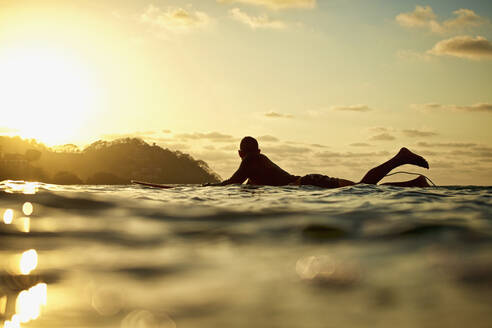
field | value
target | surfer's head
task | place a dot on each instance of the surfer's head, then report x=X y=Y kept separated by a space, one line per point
x=248 y=146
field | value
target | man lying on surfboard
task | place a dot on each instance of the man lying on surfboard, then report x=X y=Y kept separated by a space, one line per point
x=258 y=169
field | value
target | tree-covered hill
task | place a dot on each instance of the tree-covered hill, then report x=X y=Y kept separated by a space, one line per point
x=103 y=162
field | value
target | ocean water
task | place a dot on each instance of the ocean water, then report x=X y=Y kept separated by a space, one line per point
x=244 y=256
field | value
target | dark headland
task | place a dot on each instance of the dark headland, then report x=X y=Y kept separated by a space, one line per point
x=103 y=162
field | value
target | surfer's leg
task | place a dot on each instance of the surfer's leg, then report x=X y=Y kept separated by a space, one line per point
x=404 y=156
x=421 y=181
x=345 y=183
x=323 y=181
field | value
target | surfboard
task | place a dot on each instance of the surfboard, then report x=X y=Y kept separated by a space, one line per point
x=148 y=184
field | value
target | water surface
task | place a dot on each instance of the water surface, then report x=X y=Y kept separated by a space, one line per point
x=243 y=256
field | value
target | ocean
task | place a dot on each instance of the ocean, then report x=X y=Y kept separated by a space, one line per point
x=244 y=256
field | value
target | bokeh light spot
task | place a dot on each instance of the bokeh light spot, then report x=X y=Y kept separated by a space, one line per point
x=29 y=303
x=145 y=319
x=28 y=261
x=8 y=216
x=106 y=301
x=27 y=208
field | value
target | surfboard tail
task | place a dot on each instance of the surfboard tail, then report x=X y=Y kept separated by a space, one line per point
x=154 y=185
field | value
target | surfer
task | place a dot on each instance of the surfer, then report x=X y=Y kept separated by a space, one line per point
x=258 y=169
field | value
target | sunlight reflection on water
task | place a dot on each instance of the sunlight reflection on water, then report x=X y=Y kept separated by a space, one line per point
x=8 y=216
x=25 y=305
x=27 y=208
x=28 y=302
x=28 y=305
x=28 y=188
x=24 y=224
x=28 y=261
x=21 y=223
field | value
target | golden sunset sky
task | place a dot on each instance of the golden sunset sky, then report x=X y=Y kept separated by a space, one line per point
x=327 y=86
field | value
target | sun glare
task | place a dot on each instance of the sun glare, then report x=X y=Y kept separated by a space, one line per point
x=46 y=93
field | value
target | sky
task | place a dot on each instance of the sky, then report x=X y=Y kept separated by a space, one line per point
x=327 y=86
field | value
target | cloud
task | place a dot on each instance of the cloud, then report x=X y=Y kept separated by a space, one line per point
x=383 y=137
x=276 y=4
x=360 y=144
x=229 y=147
x=174 y=19
x=212 y=136
x=474 y=153
x=278 y=115
x=465 y=18
x=443 y=164
x=420 y=17
x=483 y=107
x=173 y=146
x=447 y=144
x=380 y=129
x=216 y=155
x=427 y=107
x=464 y=47
x=285 y=150
x=333 y=155
x=344 y=108
x=419 y=133
x=255 y=22
x=479 y=107
x=424 y=17
x=352 y=108
x=137 y=134
x=267 y=138
x=318 y=145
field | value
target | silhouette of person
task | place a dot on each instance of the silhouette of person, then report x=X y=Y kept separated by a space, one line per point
x=258 y=169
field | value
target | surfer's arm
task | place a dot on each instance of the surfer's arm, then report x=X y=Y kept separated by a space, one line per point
x=237 y=178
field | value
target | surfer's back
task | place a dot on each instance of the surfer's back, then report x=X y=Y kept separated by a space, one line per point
x=262 y=171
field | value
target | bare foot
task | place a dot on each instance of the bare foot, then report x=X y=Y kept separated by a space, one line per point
x=407 y=157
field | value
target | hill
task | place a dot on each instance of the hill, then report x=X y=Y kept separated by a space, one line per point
x=102 y=162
